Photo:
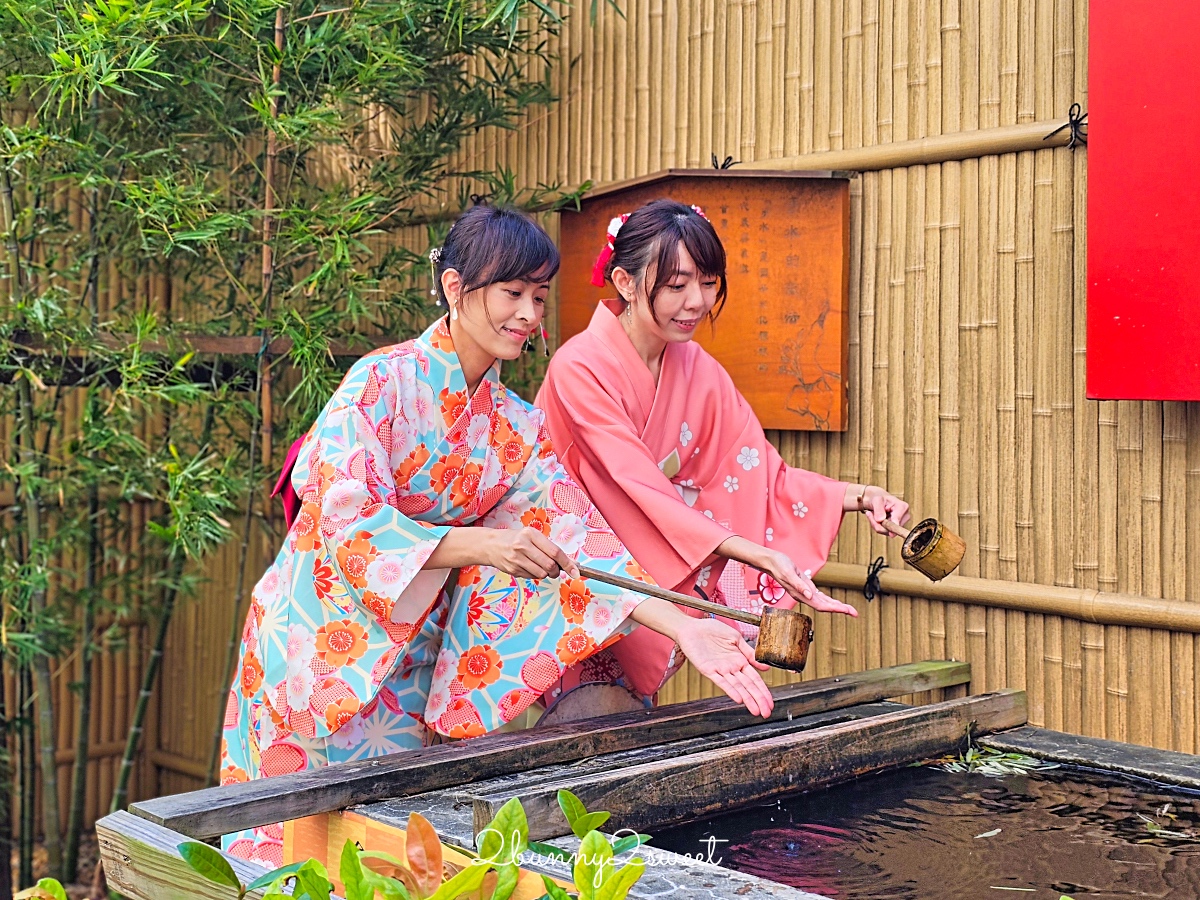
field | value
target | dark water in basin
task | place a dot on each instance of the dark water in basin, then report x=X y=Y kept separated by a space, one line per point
x=916 y=834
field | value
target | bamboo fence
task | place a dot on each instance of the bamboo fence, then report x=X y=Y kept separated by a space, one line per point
x=967 y=345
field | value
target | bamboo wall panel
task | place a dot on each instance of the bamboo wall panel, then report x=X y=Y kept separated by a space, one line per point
x=967 y=336
x=967 y=329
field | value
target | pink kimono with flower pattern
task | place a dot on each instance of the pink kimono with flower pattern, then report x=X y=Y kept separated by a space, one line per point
x=675 y=469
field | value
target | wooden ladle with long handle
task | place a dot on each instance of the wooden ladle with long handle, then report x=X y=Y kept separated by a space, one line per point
x=929 y=547
x=783 y=634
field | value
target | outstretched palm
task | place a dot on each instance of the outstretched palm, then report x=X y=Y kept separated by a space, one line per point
x=722 y=656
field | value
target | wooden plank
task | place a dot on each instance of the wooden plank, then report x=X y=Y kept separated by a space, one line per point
x=568 y=773
x=692 y=787
x=1164 y=766
x=142 y=862
x=222 y=810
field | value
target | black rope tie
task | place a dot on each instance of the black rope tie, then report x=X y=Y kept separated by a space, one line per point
x=1077 y=122
x=872 y=589
x=729 y=162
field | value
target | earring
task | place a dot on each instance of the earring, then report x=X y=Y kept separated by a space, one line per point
x=528 y=346
x=453 y=311
x=545 y=346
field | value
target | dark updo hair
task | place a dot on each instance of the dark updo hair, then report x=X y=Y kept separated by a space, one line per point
x=652 y=234
x=492 y=244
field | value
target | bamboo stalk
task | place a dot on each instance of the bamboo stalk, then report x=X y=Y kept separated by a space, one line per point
x=777 y=74
x=1107 y=608
x=808 y=102
x=886 y=62
x=79 y=775
x=42 y=683
x=149 y=679
x=27 y=832
x=6 y=812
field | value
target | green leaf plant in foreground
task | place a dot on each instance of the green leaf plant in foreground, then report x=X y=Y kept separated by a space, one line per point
x=424 y=874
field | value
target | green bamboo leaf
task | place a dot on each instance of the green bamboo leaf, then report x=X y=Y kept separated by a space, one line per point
x=209 y=863
x=628 y=842
x=553 y=891
x=551 y=852
x=469 y=879
x=509 y=874
x=353 y=877
x=572 y=807
x=313 y=880
x=52 y=887
x=595 y=855
x=617 y=886
x=590 y=822
x=271 y=877
x=506 y=836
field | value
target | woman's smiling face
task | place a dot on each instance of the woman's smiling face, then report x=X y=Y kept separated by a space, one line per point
x=499 y=317
x=681 y=304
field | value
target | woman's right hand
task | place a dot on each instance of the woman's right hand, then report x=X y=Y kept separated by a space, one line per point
x=526 y=553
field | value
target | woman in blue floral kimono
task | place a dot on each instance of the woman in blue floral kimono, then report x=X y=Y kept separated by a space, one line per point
x=428 y=582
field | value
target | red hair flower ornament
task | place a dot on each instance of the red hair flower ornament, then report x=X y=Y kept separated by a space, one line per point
x=614 y=227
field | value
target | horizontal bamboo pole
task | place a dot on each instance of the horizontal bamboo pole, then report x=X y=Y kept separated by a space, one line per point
x=180 y=765
x=226 y=345
x=1086 y=605
x=901 y=154
x=926 y=151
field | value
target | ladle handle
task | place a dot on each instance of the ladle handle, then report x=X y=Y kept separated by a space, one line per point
x=650 y=590
x=895 y=528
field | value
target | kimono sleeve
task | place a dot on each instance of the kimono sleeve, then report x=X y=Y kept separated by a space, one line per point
x=545 y=497
x=616 y=468
x=356 y=592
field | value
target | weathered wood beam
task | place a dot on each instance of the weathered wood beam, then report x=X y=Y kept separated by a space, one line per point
x=692 y=787
x=568 y=773
x=222 y=810
x=142 y=862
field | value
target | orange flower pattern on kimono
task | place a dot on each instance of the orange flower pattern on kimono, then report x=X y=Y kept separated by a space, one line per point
x=351 y=649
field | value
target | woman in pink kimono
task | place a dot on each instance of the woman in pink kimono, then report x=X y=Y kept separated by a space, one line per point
x=428 y=585
x=653 y=429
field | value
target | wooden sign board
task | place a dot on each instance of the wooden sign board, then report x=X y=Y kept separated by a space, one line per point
x=783 y=335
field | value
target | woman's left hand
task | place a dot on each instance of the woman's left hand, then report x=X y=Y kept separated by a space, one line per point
x=800 y=585
x=878 y=505
x=722 y=656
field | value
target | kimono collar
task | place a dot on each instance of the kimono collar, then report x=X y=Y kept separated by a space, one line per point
x=437 y=341
x=607 y=328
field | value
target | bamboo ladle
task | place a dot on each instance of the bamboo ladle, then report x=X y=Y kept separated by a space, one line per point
x=929 y=547
x=783 y=634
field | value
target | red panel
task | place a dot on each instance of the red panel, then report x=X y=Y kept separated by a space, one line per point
x=1144 y=200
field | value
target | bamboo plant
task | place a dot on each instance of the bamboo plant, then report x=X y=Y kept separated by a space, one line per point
x=201 y=167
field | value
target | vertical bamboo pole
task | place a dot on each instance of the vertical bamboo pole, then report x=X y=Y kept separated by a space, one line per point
x=1174 y=584
x=886 y=60
x=837 y=74
x=721 y=88
x=1158 y=680
x=777 y=79
x=620 y=101
x=793 y=92
x=1192 y=540
x=705 y=68
x=651 y=136
x=808 y=51
x=883 y=366
x=671 y=35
